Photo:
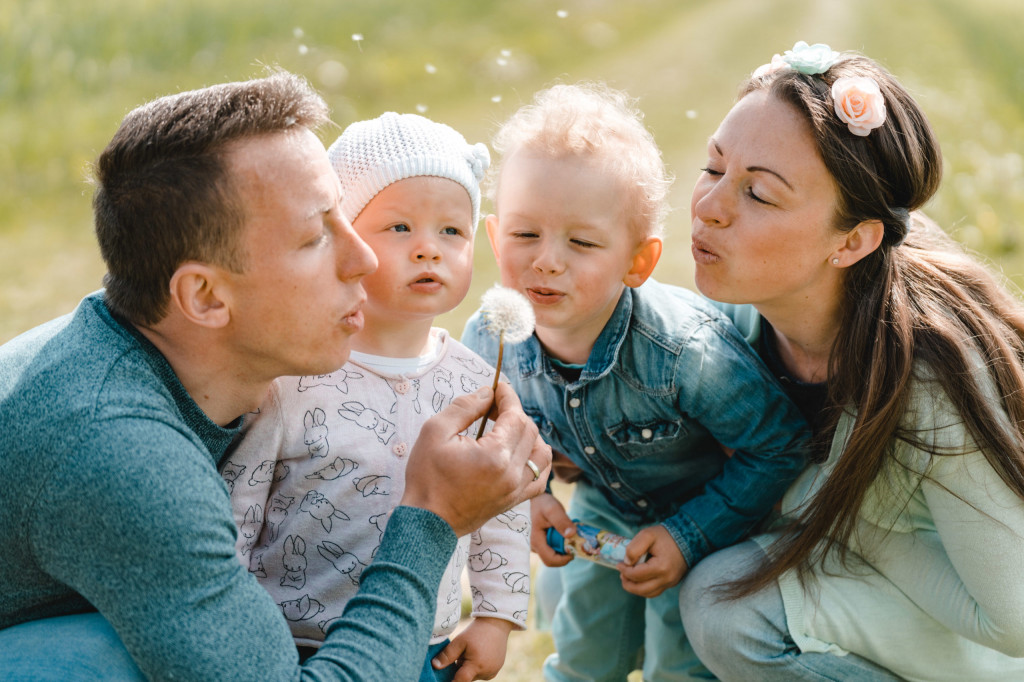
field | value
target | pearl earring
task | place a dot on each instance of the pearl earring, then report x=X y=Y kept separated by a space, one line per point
x=835 y=261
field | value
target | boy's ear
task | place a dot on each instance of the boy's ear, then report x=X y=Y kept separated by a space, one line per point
x=491 y=221
x=198 y=292
x=644 y=259
x=858 y=243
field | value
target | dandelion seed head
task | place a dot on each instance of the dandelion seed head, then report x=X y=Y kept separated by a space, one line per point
x=357 y=37
x=561 y=14
x=691 y=114
x=298 y=32
x=431 y=68
x=496 y=99
x=421 y=108
x=506 y=310
x=303 y=49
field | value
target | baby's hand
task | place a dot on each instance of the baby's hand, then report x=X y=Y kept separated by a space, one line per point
x=546 y=512
x=479 y=650
x=664 y=568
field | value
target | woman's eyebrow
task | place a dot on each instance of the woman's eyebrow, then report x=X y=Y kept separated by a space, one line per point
x=751 y=169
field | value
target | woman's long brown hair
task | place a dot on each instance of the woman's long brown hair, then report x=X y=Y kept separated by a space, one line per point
x=918 y=301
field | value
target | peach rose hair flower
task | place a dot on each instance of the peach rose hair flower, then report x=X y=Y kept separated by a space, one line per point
x=859 y=104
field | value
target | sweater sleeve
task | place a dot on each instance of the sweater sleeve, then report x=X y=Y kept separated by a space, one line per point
x=755 y=419
x=961 y=562
x=146 y=535
x=499 y=567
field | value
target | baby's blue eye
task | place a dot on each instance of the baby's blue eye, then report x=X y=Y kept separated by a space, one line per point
x=451 y=231
x=401 y=227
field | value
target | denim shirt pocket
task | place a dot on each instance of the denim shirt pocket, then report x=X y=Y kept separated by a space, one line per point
x=544 y=424
x=656 y=438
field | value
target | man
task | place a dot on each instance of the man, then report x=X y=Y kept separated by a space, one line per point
x=229 y=265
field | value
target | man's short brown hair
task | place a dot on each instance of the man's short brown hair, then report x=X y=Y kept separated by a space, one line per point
x=163 y=192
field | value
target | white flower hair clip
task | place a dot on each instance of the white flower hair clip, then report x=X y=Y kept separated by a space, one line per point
x=803 y=58
x=859 y=103
x=507 y=314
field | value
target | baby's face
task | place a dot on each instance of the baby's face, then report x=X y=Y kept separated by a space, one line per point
x=562 y=239
x=422 y=233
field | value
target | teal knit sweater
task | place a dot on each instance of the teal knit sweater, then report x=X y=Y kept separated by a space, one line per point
x=112 y=501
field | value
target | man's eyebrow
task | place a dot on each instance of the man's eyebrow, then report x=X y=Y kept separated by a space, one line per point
x=753 y=169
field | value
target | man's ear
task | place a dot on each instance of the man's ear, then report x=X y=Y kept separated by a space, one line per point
x=492 y=235
x=197 y=291
x=858 y=243
x=644 y=259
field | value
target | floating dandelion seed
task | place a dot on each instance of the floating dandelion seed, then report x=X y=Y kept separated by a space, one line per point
x=506 y=53
x=691 y=114
x=358 y=39
x=496 y=99
x=502 y=61
x=508 y=315
x=298 y=32
x=561 y=14
x=303 y=49
x=421 y=108
x=431 y=68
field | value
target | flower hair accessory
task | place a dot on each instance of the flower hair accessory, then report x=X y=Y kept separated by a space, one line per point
x=803 y=58
x=859 y=103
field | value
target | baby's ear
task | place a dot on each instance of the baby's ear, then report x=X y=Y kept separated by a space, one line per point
x=645 y=257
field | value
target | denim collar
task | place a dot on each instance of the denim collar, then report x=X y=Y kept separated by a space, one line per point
x=531 y=358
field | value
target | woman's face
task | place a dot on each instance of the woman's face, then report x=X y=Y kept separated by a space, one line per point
x=762 y=211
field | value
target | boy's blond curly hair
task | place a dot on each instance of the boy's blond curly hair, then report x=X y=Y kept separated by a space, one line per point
x=594 y=121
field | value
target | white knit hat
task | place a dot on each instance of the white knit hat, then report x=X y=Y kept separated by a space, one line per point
x=370 y=155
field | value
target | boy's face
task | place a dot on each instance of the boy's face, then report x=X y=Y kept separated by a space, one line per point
x=421 y=231
x=562 y=238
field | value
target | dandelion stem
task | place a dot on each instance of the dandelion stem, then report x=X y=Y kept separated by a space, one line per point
x=497 y=374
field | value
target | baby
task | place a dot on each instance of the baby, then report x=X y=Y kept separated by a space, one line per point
x=319 y=469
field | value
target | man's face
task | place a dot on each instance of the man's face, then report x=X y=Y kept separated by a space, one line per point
x=297 y=304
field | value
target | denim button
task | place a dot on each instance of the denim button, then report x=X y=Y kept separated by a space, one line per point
x=646 y=434
x=616 y=485
x=642 y=504
x=589 y=449
x=575 y=402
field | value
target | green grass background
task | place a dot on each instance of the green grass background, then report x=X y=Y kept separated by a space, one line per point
x=70 y=70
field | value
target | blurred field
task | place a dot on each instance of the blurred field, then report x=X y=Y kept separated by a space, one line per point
x=72 y=69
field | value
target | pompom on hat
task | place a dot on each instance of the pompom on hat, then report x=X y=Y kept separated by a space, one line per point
x=370 y=155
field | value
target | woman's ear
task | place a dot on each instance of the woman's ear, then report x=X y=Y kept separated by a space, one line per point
x=197 y=291
x=858 y=243
x=492 y=235
x=644 y=259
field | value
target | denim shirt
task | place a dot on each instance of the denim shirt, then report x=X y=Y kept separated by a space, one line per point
x=668 y=380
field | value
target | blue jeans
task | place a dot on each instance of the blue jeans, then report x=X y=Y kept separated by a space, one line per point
x=602 y=632
x=79 y=647
x=748 y=638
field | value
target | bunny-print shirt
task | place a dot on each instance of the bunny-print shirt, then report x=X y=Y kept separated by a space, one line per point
x=318 y=471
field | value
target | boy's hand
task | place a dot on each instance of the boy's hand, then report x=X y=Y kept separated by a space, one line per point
x=664 y=568
x=546 y=512
x=479 y=650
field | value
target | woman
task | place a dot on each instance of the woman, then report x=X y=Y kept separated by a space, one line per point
x=901 y=554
